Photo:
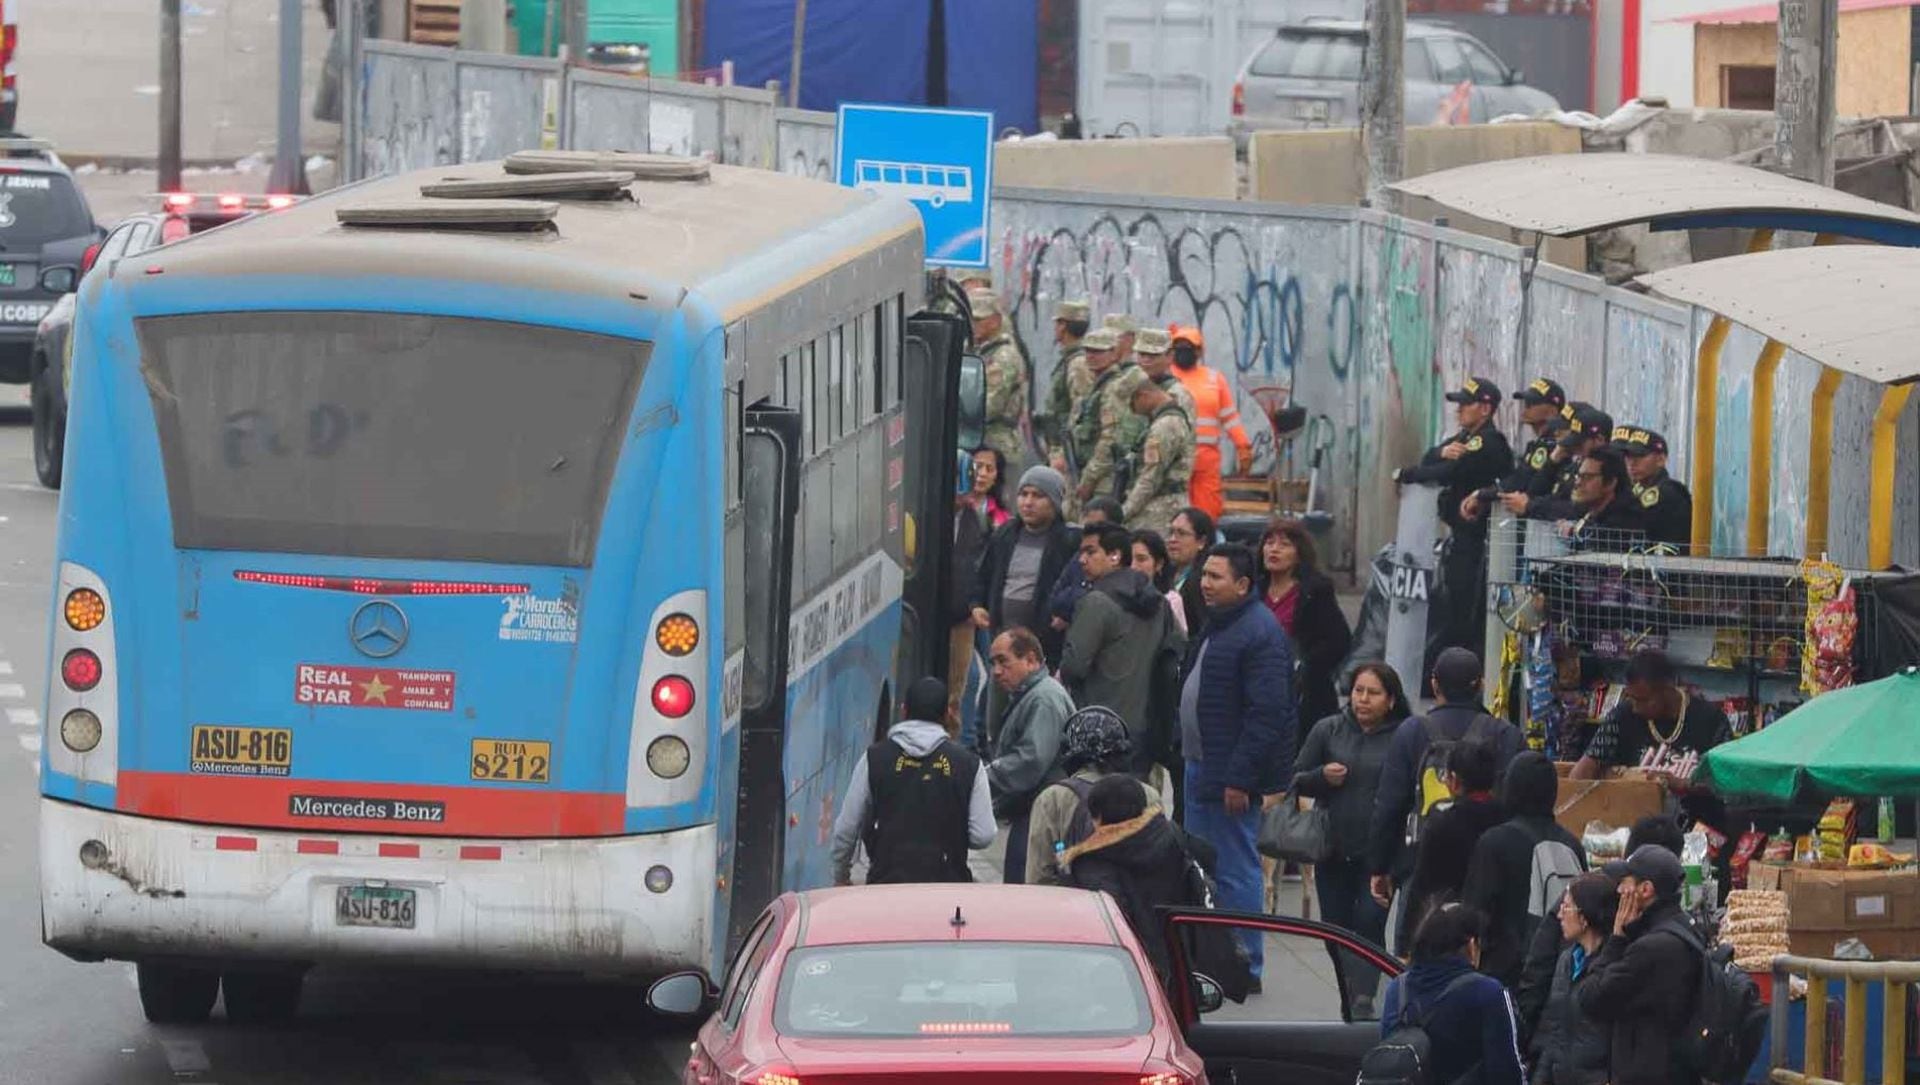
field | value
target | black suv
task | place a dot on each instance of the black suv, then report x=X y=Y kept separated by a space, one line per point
x=45 y=228
x=50 y=365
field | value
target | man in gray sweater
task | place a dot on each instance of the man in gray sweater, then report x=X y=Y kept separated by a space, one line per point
x=1028 y=753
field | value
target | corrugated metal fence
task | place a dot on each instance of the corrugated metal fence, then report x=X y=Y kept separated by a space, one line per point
x=1365 y=319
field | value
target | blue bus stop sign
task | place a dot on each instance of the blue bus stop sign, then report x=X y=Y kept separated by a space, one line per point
x=941 y=159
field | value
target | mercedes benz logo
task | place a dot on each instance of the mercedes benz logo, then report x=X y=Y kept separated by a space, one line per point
x=378 y=629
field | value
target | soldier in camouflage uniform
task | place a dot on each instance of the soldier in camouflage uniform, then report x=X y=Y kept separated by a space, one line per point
x=1071 y=378
x=1159 y=489
x=1154 y=350
x=1106 y=430
x=1006 y=376
x=1127 y=328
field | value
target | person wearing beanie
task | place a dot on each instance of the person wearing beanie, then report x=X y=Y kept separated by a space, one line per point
x=1520 y=868
x=1023 y=559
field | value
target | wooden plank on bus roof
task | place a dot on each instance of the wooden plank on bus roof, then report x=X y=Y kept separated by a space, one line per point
x=1849 y=306
x=1568 y=194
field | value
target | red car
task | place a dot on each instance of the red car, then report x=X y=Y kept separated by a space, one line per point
x=987 y=983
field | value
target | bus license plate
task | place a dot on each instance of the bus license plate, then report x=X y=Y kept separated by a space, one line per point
x=522 y=761
x=373 y=906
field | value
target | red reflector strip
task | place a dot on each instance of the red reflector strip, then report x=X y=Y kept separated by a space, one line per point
x=479 y=851
x=365 y=586
x=318 y=847
x=400 y=851
x=236 y=843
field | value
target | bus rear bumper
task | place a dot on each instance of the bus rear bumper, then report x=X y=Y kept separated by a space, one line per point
x=117 y=886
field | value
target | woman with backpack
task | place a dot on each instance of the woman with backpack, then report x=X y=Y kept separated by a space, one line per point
x=1520 y=868
x=1570 y=1048
x=1462 y=1019
x=1094 y=744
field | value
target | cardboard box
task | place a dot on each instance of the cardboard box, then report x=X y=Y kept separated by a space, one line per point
x=1616 y=802
x=1826 y=906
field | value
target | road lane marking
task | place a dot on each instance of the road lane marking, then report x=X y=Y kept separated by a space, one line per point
x=12 y=691
x=23 y=717
x=5 y=667
x=29 y=743
x=185 y=1056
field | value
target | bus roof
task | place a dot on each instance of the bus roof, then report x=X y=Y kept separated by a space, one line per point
x=672 y=235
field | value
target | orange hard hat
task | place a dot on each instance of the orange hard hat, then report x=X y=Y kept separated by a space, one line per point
x=1190 y=334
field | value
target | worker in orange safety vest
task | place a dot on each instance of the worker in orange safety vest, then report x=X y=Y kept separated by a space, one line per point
x=1213 y=409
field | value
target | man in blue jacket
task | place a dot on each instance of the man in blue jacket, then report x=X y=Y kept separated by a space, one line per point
x=1236 y=725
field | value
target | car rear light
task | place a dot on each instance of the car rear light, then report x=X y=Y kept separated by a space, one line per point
x=279 y=203
x=174 y=229
x=80 y=670
x=771 y=1075
x=85 y=610
x=677 y=634
x=964 y=1028
x=1165 y=1077
x=1239 y=99
x=361 y=585
x=673 y=696
x=178 y=201
x=232 y=202
x=87 y=258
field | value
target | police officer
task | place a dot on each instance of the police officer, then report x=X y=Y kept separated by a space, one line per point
x=1006 y=375
x=1105 y=430
x=1159 y=489
x=1153 y=349
x=1471 y=458
x=1071 y=377
x=1665 y=503
x=1540 y=404
x=1551 y=497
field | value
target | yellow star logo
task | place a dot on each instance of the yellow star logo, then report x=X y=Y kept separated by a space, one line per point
x=374 y=689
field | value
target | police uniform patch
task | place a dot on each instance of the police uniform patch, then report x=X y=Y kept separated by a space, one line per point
x=1538 y=459
x=1650 y=496
x=1473 y=443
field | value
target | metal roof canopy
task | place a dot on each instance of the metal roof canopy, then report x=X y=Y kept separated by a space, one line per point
x=1564 y=195
x=1847 y=306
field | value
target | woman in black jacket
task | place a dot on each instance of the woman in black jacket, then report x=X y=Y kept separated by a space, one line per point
x=1339 y=768
x=1301 y=596
x=1569 y=1048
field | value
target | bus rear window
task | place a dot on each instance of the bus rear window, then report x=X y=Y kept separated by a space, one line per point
x=388 y=435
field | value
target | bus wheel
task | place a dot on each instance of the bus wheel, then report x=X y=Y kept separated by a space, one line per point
x=177 y=994
x=262 y=998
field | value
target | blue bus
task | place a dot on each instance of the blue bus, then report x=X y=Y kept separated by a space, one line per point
x=496 y=582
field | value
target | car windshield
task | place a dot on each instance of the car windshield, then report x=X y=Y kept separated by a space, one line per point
x=1309 y=54
x=36 y=208
x=962 y=989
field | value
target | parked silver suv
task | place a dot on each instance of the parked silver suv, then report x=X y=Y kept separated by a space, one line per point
x=1308 y=76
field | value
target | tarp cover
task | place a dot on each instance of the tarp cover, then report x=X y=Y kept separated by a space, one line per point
x=1855 y=741
x=876 y=51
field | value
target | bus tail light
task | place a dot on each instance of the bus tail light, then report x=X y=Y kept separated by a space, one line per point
x=673 y=705
x=82 y=717
x=80 y=670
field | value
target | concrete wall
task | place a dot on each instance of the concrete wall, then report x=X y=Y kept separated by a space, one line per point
x=1872 y=73
x=1200 y=167
x=1324 y=166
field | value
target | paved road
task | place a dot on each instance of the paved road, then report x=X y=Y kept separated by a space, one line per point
x=64 y=1023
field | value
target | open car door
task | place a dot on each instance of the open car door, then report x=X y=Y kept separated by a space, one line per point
x=1313 y=1021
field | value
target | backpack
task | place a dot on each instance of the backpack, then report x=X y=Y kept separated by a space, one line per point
x=1554 y=867
x=1080 y=826
x=1430 y=793
x=1723 y=1033
x=1405 y=1055
x=1163 y=696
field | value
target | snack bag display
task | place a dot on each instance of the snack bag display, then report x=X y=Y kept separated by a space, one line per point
x=1744 y=851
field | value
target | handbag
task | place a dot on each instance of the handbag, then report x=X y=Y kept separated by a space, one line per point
x=1290 y=833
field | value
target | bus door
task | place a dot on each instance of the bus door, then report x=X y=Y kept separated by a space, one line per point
x=935 y=353
x=770 y=456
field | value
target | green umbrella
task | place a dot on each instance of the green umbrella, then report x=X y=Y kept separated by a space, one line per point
x=1863 y=740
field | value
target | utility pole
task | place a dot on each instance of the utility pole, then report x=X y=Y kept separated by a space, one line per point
x=1383 y=105
x=169 y=95
x=573 y=28
x=1803 y=89
x=799 y=47
x=289 y=168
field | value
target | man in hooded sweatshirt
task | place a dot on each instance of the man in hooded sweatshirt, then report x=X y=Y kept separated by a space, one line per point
x=1138 y=857
x=1116 y=631
x=919 y=799
x=1520 y=868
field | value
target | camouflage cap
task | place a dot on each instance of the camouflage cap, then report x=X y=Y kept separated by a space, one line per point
x=1073 y=310
x=1152 y=341
x=1120 y=324
x=976 y=275
x=1101 y=339
x=983 y=303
